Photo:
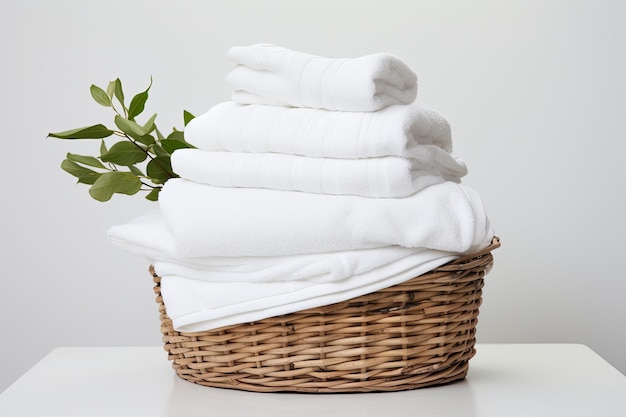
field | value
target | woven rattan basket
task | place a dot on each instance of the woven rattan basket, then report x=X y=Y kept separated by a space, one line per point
x=416 y=334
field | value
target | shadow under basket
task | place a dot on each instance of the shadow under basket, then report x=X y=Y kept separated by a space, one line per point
x=416 y=334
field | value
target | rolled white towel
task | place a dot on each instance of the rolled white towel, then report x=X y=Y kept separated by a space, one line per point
x=218 y=221
x=393 y=131
x=389 y=176
x=269 y=74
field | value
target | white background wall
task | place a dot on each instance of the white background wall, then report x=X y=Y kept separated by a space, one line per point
x=535 y=92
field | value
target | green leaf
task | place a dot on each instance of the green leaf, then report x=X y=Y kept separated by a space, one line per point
x=187 y=117
x=100 y=96
x=86 y=160
x=154 y=194
x=89 y=178
x=159 y=134
x=84 y=175
x=150 y=126
x=130 y=127
x=111 y=89
x=176 y=134
x=170 y=145
x=74 y=169
x=88 y=132
x=138 y=103
x=159 y=151
x=103 y=148
x=110 y=183
x=136 y=171
x=124 y=153
x=119 y=93
x=160 y=169
x=146 y=140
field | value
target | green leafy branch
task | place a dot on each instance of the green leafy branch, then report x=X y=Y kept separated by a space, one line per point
x=141 y=160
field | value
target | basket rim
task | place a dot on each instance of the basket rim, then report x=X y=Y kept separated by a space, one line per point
x=495 y=244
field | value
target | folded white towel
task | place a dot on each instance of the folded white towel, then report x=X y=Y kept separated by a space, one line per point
x=268 y=74
x=389 y=176
x=314 y=267
x=148 y=236
x=393 y=131
x=208 y=292
x=196 y=305
x=217 y=221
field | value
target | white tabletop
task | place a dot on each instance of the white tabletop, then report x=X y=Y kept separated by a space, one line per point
x=504 y=380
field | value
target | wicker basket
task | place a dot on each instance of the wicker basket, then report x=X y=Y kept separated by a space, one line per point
x=416 y=334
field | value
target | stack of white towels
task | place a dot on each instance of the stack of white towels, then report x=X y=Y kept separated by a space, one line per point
x=320 y=181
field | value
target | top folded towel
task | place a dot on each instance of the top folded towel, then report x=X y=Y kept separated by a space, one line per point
x=268 y=74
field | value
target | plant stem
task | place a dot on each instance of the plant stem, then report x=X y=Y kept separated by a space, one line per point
x=151 y=186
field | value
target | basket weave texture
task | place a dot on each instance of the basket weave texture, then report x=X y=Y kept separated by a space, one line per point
x=416 y=334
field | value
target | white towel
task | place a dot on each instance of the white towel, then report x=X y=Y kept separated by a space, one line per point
x=148 y=236
x=389 y=176
x=208 y=292
x=268 y=74
x=314 y=267
x=393 y=131
x=196 y=305
x=217 y=221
